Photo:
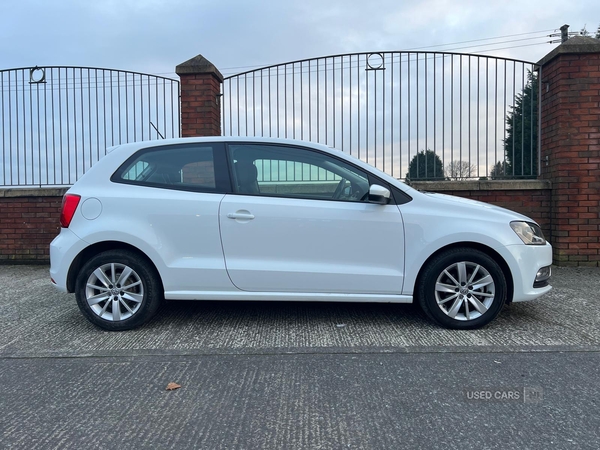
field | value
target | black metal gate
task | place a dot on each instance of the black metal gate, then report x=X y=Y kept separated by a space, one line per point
x=55 y=122
x=419 y=115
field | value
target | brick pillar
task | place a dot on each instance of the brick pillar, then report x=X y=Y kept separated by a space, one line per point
x=570 y=148
x=200 y=97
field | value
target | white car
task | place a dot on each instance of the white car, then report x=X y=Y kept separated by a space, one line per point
x=271 y=219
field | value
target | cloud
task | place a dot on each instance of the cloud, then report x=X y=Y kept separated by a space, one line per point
x=156 y=35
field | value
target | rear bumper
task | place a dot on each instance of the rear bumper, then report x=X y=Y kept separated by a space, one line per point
x=63 y=250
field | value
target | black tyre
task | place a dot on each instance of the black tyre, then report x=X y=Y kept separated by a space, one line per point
x=462 y=288
x=117 y=290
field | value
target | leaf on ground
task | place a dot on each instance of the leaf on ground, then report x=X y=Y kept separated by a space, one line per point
x=173 y=386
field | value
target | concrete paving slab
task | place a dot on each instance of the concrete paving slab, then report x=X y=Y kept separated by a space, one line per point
x=37 y=320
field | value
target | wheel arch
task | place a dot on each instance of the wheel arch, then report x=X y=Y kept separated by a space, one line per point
x=100 y=247
x=482 y=248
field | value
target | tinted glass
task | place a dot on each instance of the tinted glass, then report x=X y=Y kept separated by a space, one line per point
x=184 y=167
x=295 y=172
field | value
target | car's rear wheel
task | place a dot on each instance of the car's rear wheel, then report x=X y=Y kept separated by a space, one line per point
x=462 y=288
x=117 y=290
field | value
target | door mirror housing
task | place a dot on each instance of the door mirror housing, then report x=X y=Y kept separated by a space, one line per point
x=378 y=194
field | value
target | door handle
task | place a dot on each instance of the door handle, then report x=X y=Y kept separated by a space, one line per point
x=241 y=215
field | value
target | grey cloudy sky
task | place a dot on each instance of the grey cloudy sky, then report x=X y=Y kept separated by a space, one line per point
x=154 y=36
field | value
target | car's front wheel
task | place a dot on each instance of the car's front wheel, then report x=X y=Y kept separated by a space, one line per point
x=462 y=288
x=117 y=290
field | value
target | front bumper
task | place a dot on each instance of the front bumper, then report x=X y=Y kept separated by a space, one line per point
x=527 y=260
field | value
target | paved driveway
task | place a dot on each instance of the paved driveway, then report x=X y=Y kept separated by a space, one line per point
x=36 y=320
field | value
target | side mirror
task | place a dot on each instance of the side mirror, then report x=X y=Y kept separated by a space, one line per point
x=378 y=194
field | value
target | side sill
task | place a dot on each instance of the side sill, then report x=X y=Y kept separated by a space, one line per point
x=287 y=296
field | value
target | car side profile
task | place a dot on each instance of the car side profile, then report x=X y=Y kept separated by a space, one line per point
x=223 y=218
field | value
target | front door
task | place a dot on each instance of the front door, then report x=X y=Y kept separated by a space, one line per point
x=300 y=221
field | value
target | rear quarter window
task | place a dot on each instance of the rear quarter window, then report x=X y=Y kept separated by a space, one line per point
x=184 y=167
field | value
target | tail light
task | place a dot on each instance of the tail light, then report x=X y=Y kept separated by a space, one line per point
x=69 y=205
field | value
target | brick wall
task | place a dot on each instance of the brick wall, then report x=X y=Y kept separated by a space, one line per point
x=29 y=220
x=571 y=149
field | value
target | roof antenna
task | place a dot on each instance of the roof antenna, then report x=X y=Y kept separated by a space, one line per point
x=157 y=132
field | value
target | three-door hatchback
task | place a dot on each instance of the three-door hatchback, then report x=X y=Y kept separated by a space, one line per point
x=270 y=219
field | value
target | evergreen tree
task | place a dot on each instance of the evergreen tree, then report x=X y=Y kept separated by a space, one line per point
x=520 y=145
x=499 y=171
x=425 y=165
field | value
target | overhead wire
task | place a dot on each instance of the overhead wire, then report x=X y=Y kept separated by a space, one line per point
x=230 y=71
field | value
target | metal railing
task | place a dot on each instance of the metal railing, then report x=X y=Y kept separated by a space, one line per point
x=55 y=122
x=417 y=115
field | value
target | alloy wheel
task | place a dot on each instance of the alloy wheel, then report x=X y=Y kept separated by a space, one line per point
x=114 y=292
x=465 y=291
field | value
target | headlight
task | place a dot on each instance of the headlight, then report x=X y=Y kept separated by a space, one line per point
x=529 y=233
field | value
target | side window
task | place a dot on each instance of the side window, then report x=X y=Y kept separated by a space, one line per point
x=136 y=171
x=295 y=172
x=185 y=167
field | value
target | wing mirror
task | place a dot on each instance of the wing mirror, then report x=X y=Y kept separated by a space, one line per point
x=378 y=194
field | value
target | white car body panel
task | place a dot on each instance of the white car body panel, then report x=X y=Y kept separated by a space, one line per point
x=468 y=221
x=177 y=230
x=311 y=246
